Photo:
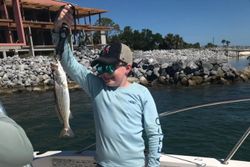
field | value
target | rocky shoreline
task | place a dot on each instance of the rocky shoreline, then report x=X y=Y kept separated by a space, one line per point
x=187 y=67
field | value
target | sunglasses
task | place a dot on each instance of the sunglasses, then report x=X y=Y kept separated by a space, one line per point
x=104 y=68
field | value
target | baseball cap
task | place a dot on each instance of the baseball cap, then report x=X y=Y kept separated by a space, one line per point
x=113 y=54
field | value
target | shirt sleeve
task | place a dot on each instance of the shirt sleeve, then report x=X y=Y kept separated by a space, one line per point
x=15 y=147
x=153 y=130
x=77 y=72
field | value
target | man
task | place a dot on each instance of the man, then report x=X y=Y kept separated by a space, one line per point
x=15 y=147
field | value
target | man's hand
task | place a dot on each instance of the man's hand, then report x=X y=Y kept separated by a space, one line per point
x=65 y=16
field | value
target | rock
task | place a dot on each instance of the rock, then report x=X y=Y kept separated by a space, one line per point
x=162 y=80
x=198 y=73
x=143 y=80
x=185 y=67
x=207 y=79
x=206 y=65
x=220 y=72
x=223 y=81
x=5 y=77
x=230 y=76
x=243 y=77
x=156 y=71
x=197 y=79
x=191 y=82
x=184 y=81
x=37 y=89
x=137 y=73
x=164 y=65
x=192 y=65
x=213 y=72
x=133 y=79
x=149 y=73
x=225 y=67
x=206 y=71
x=246 y=72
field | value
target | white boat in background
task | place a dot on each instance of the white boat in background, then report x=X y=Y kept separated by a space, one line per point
x=85 y=158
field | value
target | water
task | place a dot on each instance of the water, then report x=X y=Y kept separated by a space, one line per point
x=239 y=62
x=210 y=131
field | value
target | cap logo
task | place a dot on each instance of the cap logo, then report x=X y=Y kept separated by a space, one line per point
x=106 y=50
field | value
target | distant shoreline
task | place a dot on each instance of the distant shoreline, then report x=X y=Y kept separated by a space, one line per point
x=74 y=86
x=157 y=68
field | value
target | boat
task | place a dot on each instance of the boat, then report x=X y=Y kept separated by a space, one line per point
x=85 y=158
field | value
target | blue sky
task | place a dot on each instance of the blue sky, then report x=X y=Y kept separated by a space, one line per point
x=194 y=20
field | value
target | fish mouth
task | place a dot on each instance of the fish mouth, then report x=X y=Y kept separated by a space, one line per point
x=54 y=66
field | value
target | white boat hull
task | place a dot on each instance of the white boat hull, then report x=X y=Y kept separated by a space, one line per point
x=86 y=159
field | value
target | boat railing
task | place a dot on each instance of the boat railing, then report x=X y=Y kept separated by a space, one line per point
x=237 y=146
x=240 y=141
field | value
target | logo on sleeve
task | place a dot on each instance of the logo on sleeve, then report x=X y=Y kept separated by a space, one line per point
x=157 y=121
x=131 y=101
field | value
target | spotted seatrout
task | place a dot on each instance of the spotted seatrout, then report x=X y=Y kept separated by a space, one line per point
x=62 y=98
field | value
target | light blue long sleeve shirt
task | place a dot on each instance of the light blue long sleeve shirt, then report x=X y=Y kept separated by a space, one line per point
x=121 y=115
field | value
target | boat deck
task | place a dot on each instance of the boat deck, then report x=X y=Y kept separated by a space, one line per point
x=86 y=159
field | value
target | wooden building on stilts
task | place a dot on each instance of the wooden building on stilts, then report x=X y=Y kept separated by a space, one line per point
x=26 y=25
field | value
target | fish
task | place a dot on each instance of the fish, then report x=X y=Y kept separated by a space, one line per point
x=62 y=98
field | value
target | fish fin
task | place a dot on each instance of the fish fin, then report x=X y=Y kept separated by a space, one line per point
x=66 y=133
x=70 y=115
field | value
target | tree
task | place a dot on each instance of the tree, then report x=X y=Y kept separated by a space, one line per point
x=196 y=45
x=126 y=36
x=144 y=40
x=227 y=43
x=169 y=41
x=107 y=22
x=210 y=45
x=223 y=42
x=147 y=39
x=158 y=41
x=172 y=41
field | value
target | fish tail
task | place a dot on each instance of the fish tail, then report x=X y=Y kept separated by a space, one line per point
x=67 y=133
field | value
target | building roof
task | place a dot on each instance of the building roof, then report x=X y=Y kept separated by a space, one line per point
x=53 y=5
x=11 y=24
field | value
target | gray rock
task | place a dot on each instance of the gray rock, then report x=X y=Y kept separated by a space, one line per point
x=197 y=79
x=143 y=80
x=164 y=65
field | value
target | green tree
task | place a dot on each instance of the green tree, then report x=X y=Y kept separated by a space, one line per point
x=169 y=41
x=147 y=39
x=227 y=43
x=137 y=42
x=210 y=45
x=223 y=41
x=126 y=36
x=172 y=41
x=144 y=40
x=107 y=22
x=157 y=41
